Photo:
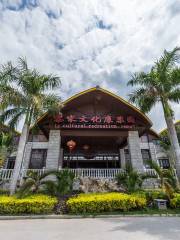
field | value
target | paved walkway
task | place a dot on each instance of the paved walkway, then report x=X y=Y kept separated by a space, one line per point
x=123 y=228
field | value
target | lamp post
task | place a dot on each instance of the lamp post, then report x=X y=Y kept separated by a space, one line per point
x=71 y=145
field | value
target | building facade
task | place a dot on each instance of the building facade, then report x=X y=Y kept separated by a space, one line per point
x=95 y=129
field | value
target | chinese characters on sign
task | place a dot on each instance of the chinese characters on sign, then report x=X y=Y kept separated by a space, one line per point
x=107 y=121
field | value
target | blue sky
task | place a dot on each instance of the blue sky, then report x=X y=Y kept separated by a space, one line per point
x=90 y=42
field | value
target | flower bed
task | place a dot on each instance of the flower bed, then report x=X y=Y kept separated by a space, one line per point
x=107 y=202
x=35 y=204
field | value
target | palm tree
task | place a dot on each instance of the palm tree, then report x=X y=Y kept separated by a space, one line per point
x=168 y=181
x=23 y=94
x=59 y=184
x=161 y=84
x=33 y=183
x=62 y=185
x=131 y=180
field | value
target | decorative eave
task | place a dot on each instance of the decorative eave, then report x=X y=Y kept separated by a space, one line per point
x=165 y=129
x=153 y=132
x=104 y=91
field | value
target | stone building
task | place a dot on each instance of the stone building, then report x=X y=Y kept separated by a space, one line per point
x=96 y=133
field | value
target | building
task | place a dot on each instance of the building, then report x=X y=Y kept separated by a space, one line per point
x=96 y=133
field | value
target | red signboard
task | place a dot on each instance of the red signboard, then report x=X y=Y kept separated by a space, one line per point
x=94 y=122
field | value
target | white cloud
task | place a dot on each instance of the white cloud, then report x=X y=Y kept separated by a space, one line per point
x=90 y=42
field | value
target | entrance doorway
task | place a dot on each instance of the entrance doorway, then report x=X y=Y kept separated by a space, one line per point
x=92 y=152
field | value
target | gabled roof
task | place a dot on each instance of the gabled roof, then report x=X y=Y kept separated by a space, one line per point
x=108 y=93
x=165 y=129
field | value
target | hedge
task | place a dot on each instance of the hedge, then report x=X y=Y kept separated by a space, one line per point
x=35 y=204
x=106 y=202
x=175 y=201
x=150 y=195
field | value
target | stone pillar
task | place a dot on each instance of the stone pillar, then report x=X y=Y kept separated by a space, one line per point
x=54 y=146
x=135 y=151
x=27 y=155
x=61 y=159
x=123 y=159
x=152 y=150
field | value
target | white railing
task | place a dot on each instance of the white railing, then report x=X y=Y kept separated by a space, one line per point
x=6 y=174
x=151 y=172
x=97 y=173
x=110 y=173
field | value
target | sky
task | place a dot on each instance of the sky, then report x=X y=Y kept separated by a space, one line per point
x=91 y=42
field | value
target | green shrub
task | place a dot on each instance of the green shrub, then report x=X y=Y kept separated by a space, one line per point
x=34 y=204
x=106 y=202
x=4 y=192
x=155 y=194
x=175 y=201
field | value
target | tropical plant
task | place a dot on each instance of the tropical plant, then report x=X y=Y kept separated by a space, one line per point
x=131 y=180
x=55 y=183
x=168 y=180
x=161 y=84
x=166 y=144
x=23 y=94
x=62 y=185
x=33 y=183
x=6 y=145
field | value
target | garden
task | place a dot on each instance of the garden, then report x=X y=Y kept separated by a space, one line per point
x=53 y=193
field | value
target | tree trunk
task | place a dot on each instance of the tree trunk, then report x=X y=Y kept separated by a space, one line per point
x=19 y=158
x=174 y=142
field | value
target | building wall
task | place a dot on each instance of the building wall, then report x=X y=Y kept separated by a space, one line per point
x=54 y=152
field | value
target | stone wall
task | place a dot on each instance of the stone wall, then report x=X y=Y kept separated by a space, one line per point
x=53 y=153
x=135 y=151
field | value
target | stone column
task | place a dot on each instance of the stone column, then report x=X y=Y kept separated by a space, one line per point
x=123 y=159
x=54 y=146
x=61 y=159
x=27 y=155
x=135 y=151
x=152 y=150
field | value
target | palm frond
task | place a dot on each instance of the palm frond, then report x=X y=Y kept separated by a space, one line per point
x=11 y=96
x=25 y=188
x=15 y=120
x=9 y=113
x=22 y=64
x=174 y=95
x=155 y=166
x=174 y=76
x=166 y=63
x=143 y=98
x=49 y=82
x=49 y=187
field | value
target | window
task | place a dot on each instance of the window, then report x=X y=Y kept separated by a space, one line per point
x=11 y=162
x=156 y=142
x=164 y=163
x=38 y=158
x=146 y=156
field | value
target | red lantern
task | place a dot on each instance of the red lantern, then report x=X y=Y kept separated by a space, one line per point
x=71 y=145
x=86 y=147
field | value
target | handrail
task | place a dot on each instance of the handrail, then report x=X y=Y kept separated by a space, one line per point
x=100 y=157
x=6 y=174
x=110 y=173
